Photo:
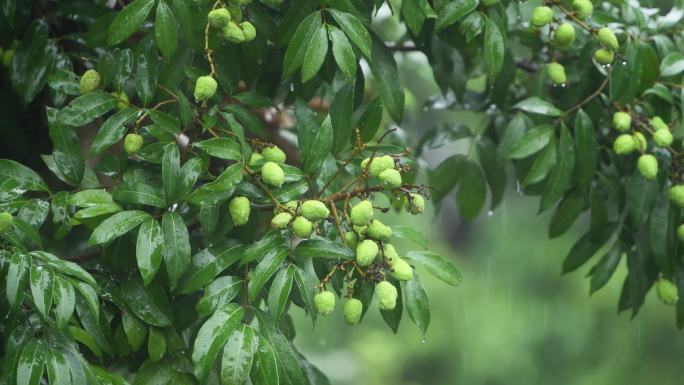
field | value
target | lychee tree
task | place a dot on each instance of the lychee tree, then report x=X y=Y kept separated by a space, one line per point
x=216 y=164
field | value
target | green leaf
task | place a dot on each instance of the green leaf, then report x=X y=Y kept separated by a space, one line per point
x=128 y=21
x=531 y=142
x=341 y=118
x=171 y=172
x=315 y=54
x=139 y=193
x=65 y=301
x=542 y=165
x=494 y=169
x=66 y=149
x=220 y=189
x=584 y=249
x=411 y=234
x=417 y=305
x=116 y=226
x=33 y=60
x=149 y=248
x=604 y=269
x=454 y=11
x=436 y=265
x=42 y=281
x=265 y=366
x=149 y=303
x=156 y=344
x=306 y=284
x=385 y=71
x=446 y=175
x=659 y=232
x=296 y=50
x=315 y=154
x=354 y=29
x=672 y=64
x=370 y=120
x=90 y=198
x=323 y=248
x=342 y=52
x=586 y=148
x=494 y=48
x=66 y=267
x=561 y=175
x=211 y=337
x=166 y=30
x=218 y=294
x=207 y=264
x=166 y=122
x=641 y=195
x=135 y=329
x=176 y=246
x=86 y=108
x=535 y=105
x=279 y=294
x=565 y=215
x=189 y=174
x=264 y=270
x=147 y=75
x=57 y=368
x=112 y=130
x=393 y=317
x=24 y=177
x=31 y=363
x=271 y=240
x=472 y=191
x=223 y=148
x=16 y=279
x=237 y=361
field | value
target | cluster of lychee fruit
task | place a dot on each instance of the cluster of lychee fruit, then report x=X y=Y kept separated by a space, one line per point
x=228 y=22
x=627 y=143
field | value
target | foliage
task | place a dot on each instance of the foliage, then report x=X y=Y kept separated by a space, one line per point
x=168 y=241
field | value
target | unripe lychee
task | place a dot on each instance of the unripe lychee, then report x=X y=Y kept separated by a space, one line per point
x=640 y=140
x=402 y=270
x=607 y=37
x=663 y=138
x=667 y=291
x=676 y=195
x=556 y=73
x=361 y=213
x=416 y=204
x=281 y=220
x=133 y=143
x=604 y=56
x=89 y=82
x=542 y=16
x=6 y=220
x=219 y=18
x=622 y=121
x=273 y=154
x=360 y=230
x=624 y=144
x=351 y=239
x=353 y=308
x=272 y=174
x=292 y=205
x=325 y=302
x=302 y=227
x=378 y=165
x=315 y=210
x=377 y=230
x=648 y=166
x=583 y=8
x=233 y=33
x=657 y=123
x=565 y=34
x=248 y=30
x=255 y=158
x=387 y=295
x=390 y=252
x=205 y=87
x=680 y=232
x=239 y=210
x=390 y=179
x=7 y=57
x=123 y=100
x=366 y=252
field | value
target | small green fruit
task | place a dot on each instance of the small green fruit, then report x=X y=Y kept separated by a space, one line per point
x=239 y=209
x=366 y=252
x=281 y=220
x=219 y=18
x=292 y=205
x=89 y=82
x=361 y=213
x=233 y=33
x=325 y=302
x=378 y=165
x=676 y=195
x=377 y=230
x=583 y=8
x=315 y=210
x=622 y=121
x=657 y=123
x=390 y=252
x=7 y=57
x=390 y=179
x=648 y=166
x=402 y=270
x=604 y=56
x=416 y=204
x=565 y=34
x=133 y=143
x=272 y=174
x=353 y=308
x=255 y=158
x=274 y=154
x=640 y=141
x=556 y=73
x=205 y=87
x=542 y=16
x=387 y=295
x=663 y=138
x=123 y=100
x=624 y=144
x=680 y=232
x=351 y=239
x=607 y=37
x=248 y=30
x=302 y=227
x=667 y=291
x=6 y=220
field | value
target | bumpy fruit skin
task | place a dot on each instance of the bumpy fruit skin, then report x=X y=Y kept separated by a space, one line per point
x=292 y=205
x=123 y=100
x=583 y=8
x=648 y=166
x=542 y=16
x=362 y=213
x=377 y=230
x=604 y=56
x=361 y=230
x=390 y=179
x=255 y=158
x=281 y=220
x=556 y=73
x=325 y=302
x=302 y=227
x=379 y=165
x=274 y=154
x=658 y=123
x=133 y=143
x=205 y=87
x=624 y=144
x=663 y=138
x=402 y=270
x=7 y=57
x=89 y=82
x=248 y=30
x=565 y=34
x=417 y=204
x=676 y=195
x=387 y=295
x=622 y=121
x=366 y=252
x=272 y=174
x=680 y=232
x=314 y=210
x=233 y=33
x=351 y=239
x=6 y=220
x=640 y=141
x=219 y=18
x=607 y=37
x=239 y=210
x=667 y=291
x=390 y=252
x=353 y=308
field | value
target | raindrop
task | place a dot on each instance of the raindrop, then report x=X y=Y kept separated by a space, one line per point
x=423 y=341
x=292 y=87
x=517 y=187
x=624 y=62
x=563 y=85
x=490 y=213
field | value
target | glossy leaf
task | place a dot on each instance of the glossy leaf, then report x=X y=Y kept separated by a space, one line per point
x=128 y=21
x=116 y=226
x=436 y=265
x=149 y=249
x=211 y=337
x=176 y=246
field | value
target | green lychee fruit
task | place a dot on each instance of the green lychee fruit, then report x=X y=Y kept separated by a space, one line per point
x=657 y=123
x=667 y=291
x=292 y=205
x=607 y=37
x=377 y=230
x=416 y=204
x=272 y=174
x=233 y=33
x=387 y=295
x=6 y=220
x=123 y=100
x=604 y=56
x=248 y=30
x=360 y=230
x=351 y=239
x=255 y=158
x=390 y=179
x=239 y=209
x=663 y=138
x=583 y=8
x=542 y=16
x=325 y=302
x=219 y=18
x=402 y=270
x=273 y=154
x=676 y=195
x=353 y=308
x=205 y=87
x=89 y=82
x=302 y=227
x=133 y=143
x=7 y=57
x=361 y=213
x=378 y=165
x=565 y=34
x=390 y=252
x=315 y=210
x=281 y=220
x=680 y=232
x=556 y=73
x=624 y=144
x=640 y=140
x=622 y=121
x=366 y=252
x=648 y=166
